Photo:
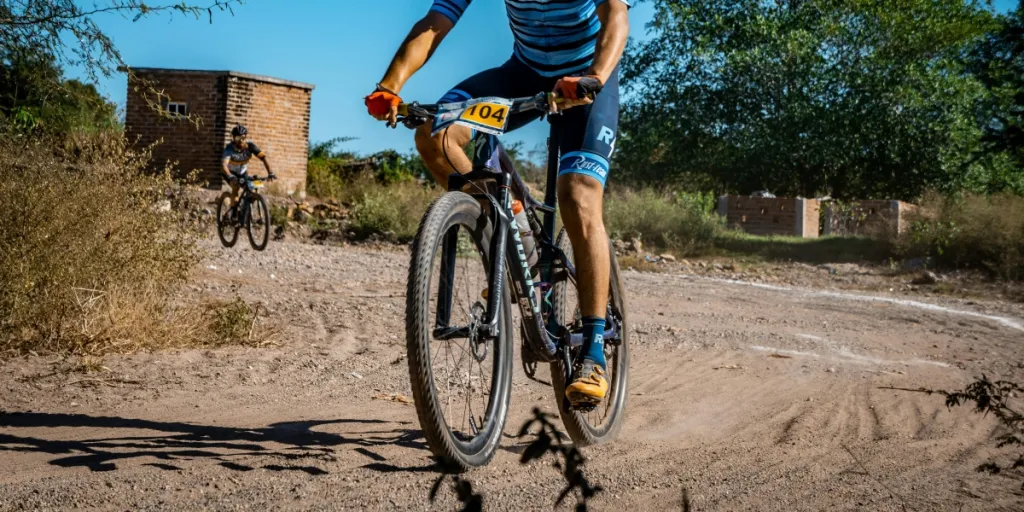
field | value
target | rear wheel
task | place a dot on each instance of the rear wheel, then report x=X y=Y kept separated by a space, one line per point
x=227 y=230
x=461 y=385
x=258 y=223
x=602 y=423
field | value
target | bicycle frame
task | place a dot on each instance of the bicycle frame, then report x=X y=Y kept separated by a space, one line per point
x=491 y=163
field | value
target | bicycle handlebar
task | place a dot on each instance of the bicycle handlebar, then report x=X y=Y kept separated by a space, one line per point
x=414 y=114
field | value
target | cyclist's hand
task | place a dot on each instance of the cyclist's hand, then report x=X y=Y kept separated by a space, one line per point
x=575 y=91
x=271 y=176
x=383 y=106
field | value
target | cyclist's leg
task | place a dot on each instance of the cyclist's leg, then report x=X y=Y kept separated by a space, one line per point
x=234 y=193
x=442 y=152
x=587 y=140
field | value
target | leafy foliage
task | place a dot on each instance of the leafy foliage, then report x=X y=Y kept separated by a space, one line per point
x=999 y=63
x=40 y=37
x=35 y=96
x=858 y=98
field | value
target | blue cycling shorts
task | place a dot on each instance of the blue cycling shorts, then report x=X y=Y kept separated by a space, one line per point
x=586 y=134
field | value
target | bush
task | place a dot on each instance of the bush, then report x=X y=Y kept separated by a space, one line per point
x=394 y=209
x=972 y=231
x=90 y=249
x=323 y=180
x=682 y=222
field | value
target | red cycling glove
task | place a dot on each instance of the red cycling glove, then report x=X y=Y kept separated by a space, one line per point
x=380 y=103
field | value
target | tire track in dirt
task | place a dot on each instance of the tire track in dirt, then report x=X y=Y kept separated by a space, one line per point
x=303 y=426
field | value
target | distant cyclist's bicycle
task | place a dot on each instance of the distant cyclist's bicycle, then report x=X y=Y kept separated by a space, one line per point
x=467 y=267
x=251 y=213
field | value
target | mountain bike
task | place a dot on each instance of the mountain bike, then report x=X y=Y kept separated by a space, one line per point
x=251 y=213
x=467 y=267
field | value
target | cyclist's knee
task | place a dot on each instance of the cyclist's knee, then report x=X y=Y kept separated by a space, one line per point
x=430 y=145
x=426 y=143
x=580 y=197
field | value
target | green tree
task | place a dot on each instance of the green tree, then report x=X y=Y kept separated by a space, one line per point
x=855 y=98
x=999 y=63
x=39 y=38
x=34 y=94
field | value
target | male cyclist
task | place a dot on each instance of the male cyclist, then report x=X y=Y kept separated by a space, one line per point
x=559 y=44
x=235 y=162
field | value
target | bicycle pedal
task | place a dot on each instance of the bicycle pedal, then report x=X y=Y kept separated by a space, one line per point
x=584 y=406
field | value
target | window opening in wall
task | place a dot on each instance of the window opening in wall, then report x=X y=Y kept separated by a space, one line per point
x=177 y=109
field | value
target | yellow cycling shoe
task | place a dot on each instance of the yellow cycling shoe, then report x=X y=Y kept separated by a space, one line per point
x=589 y=386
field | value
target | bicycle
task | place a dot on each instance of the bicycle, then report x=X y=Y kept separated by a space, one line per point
x=251 y=212
x=478 y=229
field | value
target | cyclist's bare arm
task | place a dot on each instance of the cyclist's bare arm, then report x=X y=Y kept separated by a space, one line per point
x=611 y=40
x=224 y=167
x=417 y=48
x=266 y=163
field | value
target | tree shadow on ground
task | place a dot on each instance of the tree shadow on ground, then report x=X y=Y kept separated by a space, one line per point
x=288 y=444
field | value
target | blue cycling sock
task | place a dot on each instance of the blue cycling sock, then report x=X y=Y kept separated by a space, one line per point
x=593 y=339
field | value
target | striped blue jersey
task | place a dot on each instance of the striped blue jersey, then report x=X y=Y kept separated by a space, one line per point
x=553 y=37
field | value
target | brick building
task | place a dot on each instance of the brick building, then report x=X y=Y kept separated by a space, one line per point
x=771 y=216
x=874 y=218
x=275 y=111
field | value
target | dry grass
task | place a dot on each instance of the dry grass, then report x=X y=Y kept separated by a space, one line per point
x=91 y=253
x=394 y=210
x=973 y=231
x=682 y=223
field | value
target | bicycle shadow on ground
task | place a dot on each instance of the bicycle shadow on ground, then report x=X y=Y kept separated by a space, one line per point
x=288 y=446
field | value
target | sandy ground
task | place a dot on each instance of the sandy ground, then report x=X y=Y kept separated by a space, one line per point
x=748 y=396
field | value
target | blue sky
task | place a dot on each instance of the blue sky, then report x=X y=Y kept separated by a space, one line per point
x=341 y=46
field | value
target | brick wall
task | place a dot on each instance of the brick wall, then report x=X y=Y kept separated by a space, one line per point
x=190 y=146
x=277 y=117
x=875 y=218
x=275 y=111
x=771 y=216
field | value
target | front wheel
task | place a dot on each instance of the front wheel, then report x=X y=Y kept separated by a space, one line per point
x=461 y=382
x=602 y=423
x=258 y=222
x=227 y=230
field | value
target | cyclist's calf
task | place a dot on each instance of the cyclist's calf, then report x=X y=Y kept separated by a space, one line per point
x=580 y=201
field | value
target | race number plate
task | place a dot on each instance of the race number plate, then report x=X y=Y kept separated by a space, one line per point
x=257 y=184
x=490 y=115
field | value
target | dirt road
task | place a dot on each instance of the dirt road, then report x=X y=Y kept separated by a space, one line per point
x=749 y=396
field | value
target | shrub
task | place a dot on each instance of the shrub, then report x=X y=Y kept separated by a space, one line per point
x=972 y=231
x=394 y=209
x=323 y=180
x=678 y=221
x=90 y=249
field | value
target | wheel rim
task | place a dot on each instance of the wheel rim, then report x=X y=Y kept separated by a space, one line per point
x=464 y=371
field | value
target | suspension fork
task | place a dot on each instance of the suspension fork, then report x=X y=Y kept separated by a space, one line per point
x=449 y=250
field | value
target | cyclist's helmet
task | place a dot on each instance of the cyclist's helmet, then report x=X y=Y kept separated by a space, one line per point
x=239 y=131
